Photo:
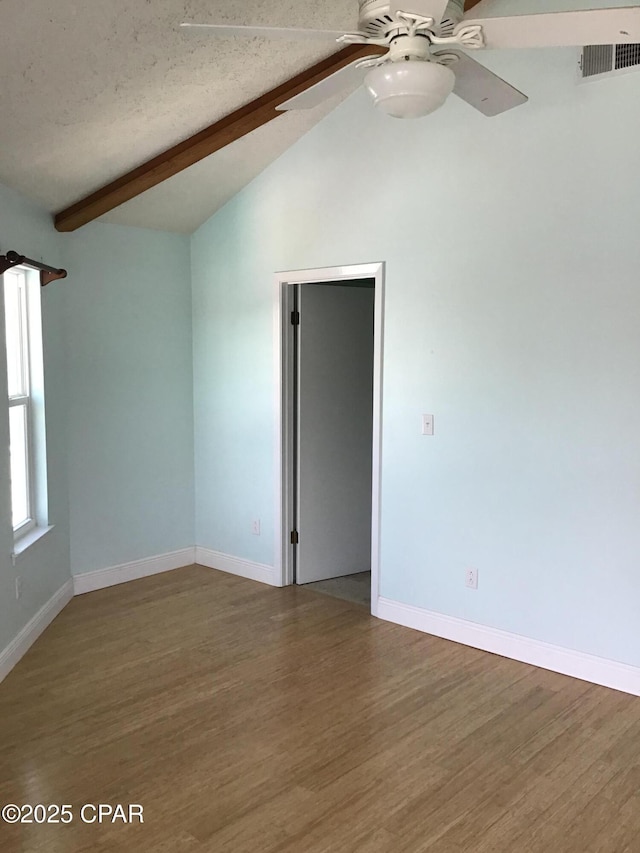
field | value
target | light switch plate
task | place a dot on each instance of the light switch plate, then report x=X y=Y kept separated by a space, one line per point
x=427 y=424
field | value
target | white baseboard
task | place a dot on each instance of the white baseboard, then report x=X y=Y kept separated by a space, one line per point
x=21 y=644
x=236 y=566
x=596 y=670
x=102 y=578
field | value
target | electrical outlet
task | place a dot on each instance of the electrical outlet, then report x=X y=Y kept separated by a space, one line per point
x=18 y=588
x=471 y=578
x=255 y=527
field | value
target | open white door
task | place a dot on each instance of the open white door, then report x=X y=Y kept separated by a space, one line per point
x=335 y=430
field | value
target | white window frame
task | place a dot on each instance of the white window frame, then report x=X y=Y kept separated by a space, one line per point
x=24 y=400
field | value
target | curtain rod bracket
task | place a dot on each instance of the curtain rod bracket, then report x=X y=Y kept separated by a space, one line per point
x=46 y=276
x=47 y=273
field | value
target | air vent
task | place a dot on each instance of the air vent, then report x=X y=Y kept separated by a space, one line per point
x=597 y=59
x=600 y=60
x=627 y=55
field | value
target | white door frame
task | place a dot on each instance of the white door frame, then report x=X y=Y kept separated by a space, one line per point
x=283 y=572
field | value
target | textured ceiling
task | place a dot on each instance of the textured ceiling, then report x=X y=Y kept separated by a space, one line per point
x=91 y=90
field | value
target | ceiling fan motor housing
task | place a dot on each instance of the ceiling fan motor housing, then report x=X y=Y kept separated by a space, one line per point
x=375 y=21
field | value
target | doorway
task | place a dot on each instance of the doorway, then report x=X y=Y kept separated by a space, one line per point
x=329 y=370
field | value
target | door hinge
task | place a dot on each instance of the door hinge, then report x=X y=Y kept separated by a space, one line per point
x=295 y=318
x=294 y=537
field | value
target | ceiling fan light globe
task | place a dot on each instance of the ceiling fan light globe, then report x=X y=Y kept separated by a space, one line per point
x=410 y=89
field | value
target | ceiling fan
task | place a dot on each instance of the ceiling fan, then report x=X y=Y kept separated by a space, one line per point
x=416 y=61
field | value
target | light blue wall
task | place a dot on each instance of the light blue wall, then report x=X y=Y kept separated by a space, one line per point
x=119 y=404
x=233 y=399
x=44 y=567
x=131 y=408
x=512 y=314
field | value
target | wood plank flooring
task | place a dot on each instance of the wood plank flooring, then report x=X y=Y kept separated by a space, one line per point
x=247 y=719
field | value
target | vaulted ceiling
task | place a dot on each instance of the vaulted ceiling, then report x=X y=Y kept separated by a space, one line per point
x=91 y=90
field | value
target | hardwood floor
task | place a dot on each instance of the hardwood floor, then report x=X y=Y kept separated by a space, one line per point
x=247 y=719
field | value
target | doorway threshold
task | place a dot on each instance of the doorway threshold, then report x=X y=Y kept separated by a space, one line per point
x=353 y=588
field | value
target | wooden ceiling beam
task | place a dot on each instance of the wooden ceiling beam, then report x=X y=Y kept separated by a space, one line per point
x=234 y=126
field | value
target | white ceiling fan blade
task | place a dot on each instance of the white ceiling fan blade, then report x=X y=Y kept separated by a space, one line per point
x=560 y=29
x=349 y=76
x=283 y=33
x=481 y=88
x=427 y=8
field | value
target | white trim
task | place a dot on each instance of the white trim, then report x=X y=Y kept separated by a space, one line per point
x=608 y=673
x=28 y=539
x=30 y=356
x=103 y=578
x=283 y=570
x=376 y=471
x=21 y=644
x=236 y=566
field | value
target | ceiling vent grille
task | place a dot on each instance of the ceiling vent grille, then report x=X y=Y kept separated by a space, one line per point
x=599 y=60
x=627 y=55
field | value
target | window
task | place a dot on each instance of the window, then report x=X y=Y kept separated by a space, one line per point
x=24 y=383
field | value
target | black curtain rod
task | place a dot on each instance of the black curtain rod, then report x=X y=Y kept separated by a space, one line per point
x=47 y=273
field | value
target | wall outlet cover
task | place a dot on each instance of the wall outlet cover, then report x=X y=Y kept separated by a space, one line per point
x=427 y=425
